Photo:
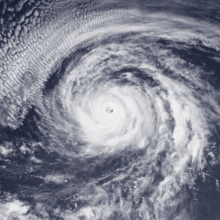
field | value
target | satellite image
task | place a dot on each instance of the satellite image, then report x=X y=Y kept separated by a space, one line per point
x=109 y=110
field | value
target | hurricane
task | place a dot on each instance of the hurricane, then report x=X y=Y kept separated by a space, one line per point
x=110 y=110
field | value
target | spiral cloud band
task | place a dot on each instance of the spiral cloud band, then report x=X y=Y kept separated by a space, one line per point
x=110 y=112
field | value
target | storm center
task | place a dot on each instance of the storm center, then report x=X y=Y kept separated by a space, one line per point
x=109 y=110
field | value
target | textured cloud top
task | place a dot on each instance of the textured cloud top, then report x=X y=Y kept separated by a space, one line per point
x=111 y=111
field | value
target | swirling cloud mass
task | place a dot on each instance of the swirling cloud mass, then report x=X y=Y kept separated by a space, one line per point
x=109 y=110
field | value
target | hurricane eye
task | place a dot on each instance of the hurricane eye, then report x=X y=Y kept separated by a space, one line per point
x=109 y=110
